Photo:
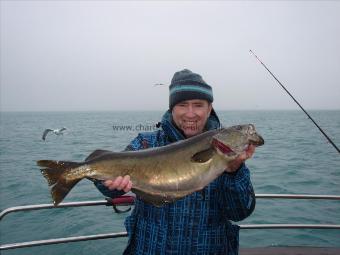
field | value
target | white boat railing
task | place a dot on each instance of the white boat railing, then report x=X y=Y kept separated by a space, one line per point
x=128 y=200
x=51 y=206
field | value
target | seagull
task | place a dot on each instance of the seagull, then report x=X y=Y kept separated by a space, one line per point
x=55 y=131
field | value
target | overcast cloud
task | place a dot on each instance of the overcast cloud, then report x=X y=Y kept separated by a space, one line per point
x=107 y=55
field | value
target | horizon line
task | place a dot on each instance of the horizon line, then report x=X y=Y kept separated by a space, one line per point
x=149 y=110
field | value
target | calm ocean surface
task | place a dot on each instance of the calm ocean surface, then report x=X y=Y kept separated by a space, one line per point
x=295 y=159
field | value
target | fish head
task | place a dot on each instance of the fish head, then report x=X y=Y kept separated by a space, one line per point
x=236 y=139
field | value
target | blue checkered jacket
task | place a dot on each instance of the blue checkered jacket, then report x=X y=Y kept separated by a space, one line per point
x=196 y=224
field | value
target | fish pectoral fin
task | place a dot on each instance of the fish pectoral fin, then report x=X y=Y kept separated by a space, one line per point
x=96 y=153
x=203 y=156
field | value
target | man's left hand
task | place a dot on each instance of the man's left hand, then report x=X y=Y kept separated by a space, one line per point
x=235 y=164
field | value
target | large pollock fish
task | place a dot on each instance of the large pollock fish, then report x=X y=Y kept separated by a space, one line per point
x=159 y=175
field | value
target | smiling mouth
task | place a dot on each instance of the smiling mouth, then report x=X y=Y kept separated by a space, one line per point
x=192 y=125
x=222 y=147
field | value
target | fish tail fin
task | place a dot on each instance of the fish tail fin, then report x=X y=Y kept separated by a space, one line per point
x=55 y=174
x=61 y=189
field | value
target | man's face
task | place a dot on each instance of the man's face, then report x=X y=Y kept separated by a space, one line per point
x=191 y=115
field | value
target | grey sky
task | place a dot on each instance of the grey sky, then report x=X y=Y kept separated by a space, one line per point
x=106 y=55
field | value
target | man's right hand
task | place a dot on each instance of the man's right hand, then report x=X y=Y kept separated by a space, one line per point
x=120 y=183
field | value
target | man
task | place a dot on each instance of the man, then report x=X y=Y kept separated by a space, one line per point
x=198 y=223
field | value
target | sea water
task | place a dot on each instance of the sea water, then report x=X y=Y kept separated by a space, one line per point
x=295 y=159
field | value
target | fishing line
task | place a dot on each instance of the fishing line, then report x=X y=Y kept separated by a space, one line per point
x=297 y=102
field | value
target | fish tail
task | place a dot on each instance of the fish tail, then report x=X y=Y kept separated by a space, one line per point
x=55 y=172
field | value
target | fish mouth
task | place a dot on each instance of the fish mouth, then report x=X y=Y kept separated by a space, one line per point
x=225 y=149
x=257 y=142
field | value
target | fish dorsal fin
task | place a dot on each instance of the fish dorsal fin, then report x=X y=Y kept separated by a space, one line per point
x=97 y=153
x=203 y=156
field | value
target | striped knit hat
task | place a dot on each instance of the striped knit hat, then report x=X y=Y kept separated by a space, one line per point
x=186 y=85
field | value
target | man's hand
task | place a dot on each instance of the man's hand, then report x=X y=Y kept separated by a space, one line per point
x=120 y=183
x=234 y=165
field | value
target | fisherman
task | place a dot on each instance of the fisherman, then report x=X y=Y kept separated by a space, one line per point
x=198 y=223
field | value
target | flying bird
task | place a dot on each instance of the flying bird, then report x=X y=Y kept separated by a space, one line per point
x=159 y=84
x=55 y=131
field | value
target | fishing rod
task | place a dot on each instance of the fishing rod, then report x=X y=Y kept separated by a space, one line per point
x=296 y=102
